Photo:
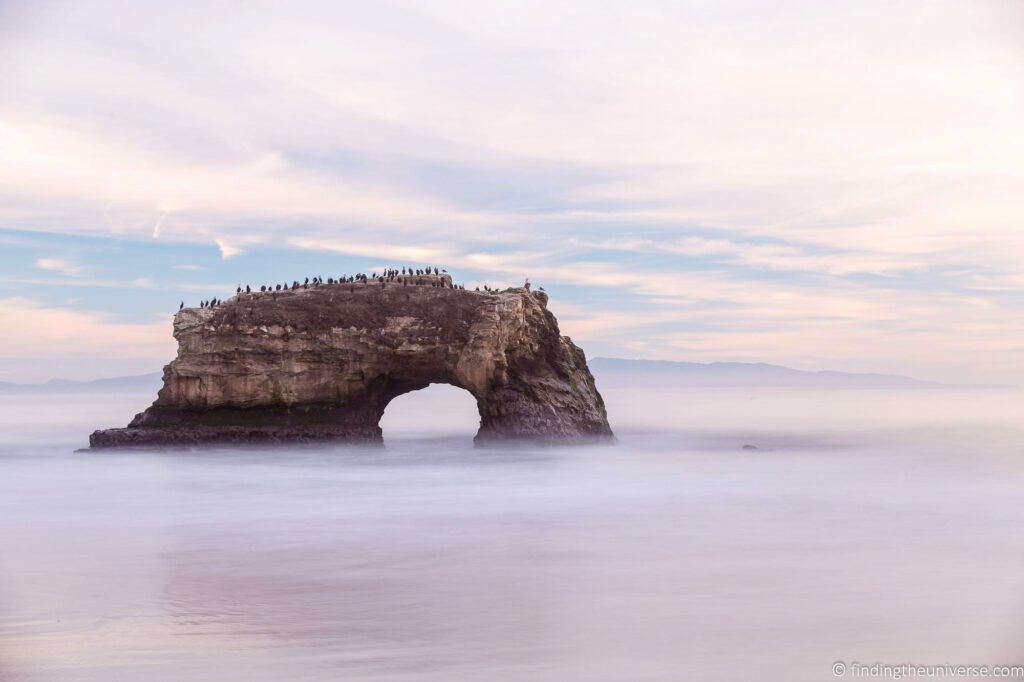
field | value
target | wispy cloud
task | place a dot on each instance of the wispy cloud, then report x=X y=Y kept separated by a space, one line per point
x=61 y=265
x=399 y=253
x=227 y=250
x=159 y=221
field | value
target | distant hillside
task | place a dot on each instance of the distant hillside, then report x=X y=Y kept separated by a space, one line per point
x=616 y=372
x=141 y=382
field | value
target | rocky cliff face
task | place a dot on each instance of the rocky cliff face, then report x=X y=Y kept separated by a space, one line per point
x=324 y=362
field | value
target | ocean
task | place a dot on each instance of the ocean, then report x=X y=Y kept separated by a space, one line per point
x=860 y=527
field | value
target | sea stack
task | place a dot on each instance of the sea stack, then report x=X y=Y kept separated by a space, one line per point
x=323 y=363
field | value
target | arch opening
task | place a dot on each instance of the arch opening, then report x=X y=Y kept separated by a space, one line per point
x=438 y=411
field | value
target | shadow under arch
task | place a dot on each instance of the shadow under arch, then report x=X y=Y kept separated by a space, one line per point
x=438 y=409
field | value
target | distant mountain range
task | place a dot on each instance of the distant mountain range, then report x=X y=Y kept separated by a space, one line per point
x=616 y=372
x=133 y=383
x=609 y=372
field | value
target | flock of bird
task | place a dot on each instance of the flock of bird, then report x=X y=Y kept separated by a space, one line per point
x=406 y=276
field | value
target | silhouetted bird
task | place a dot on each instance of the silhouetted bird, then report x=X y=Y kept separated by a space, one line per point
x=247 y=289
x=180 y=307
x=239 y=289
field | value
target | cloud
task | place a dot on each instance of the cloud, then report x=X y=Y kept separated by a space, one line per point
x=227 y=250
x=61 y=265
x=34 y=330
x=158 y=223
x=401 y=253
x=677 y=167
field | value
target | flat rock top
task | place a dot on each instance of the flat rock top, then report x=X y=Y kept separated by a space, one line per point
x=368 y=305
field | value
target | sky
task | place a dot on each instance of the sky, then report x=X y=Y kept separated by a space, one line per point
x=834 y=185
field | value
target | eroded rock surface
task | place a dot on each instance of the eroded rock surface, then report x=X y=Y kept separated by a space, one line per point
x=324 y=362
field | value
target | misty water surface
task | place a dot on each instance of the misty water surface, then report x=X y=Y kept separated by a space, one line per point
x=867 y=526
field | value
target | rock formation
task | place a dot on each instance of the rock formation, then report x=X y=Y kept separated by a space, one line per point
x=324 y=362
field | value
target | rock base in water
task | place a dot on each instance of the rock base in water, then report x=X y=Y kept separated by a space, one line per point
x=224 y=435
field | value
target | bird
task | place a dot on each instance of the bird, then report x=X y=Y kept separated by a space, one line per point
x=182 y=306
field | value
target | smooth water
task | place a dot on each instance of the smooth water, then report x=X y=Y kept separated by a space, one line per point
x=868 y=526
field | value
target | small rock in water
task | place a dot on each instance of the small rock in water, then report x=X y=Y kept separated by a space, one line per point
x=750 y=447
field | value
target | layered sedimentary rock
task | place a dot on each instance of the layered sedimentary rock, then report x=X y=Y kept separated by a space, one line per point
x=324 y=362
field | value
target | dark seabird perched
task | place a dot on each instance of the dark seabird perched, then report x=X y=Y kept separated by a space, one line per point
x=182 y=306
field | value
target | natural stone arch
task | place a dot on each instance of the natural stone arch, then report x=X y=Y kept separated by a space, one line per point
x=323 y=363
